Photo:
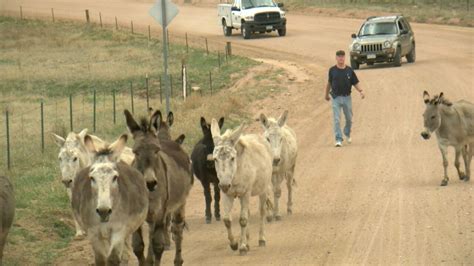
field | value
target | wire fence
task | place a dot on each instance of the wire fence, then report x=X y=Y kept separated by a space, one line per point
x=26 y=132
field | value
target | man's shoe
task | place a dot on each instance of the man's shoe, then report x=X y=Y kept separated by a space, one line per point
x=349 y=140
x=338 y=144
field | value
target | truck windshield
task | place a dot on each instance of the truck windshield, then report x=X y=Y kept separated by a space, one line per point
x=247 y=4
x=378 y=28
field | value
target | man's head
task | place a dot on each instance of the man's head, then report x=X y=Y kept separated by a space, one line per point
x=340 y=57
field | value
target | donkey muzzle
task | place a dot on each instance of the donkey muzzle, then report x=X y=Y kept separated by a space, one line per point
x=104 y=214
x=225 y=187
x=67 y=183
x=151 y=185
x=276 y=161
x=425 y=135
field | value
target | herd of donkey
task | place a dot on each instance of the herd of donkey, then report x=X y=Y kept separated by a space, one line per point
x=130 y=199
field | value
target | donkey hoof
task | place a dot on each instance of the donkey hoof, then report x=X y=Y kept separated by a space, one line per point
x=243 y=250
x=462 y=176
x=444 y=183
x=218 y=218
x=278 y=218
x=467 y=178
x=80 y=236
x=234 y=246
x=269 y=218
x=289 y=211
x=208 y=220
x=178 y=262
x=262 y=243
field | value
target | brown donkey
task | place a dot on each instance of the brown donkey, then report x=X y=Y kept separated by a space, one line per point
x=167 y=172
x=7 y=211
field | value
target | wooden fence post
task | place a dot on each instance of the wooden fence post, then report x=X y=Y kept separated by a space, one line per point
x=210 y=81
x=113 y=98
x=94 y=115
x=131 y=25
x=116 y=23
x=187 y=47
x=229 y=49
x=147 y=93
x=131 y=97
x=21 y=18
x=149 y=33
x=87 y=16
x=207 y=48
x=100 y=19
x=70 y=112
x=42 y=126
x=52 y=14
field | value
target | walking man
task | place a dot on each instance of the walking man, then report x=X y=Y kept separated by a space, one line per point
x=340 y=82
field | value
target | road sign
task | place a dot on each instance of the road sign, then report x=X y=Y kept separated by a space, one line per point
x=171 y=11
x=164 y=11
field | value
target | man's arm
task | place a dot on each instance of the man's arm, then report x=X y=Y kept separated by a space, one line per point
x=326 y=94
x=359 y=89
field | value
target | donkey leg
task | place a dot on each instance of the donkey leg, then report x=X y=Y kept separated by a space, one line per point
x=117 y=245
x=444 y=153
x=263 y=212
x=158 y=241
x=289 y=186
x=208 y=197
x=138 y=246
x=177 y=230
x=228 y=204
x=80 y=233
x=100 y=252
x=276 y=180
x=457 y=163
x=217 y=199
x=167 y=234
x=244 y=220
x=467 y=156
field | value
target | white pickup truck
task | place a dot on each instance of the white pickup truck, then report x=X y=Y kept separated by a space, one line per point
x=251 y=16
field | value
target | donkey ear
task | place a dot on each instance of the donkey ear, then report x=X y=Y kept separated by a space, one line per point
x=203 y=122
x=440 y=98
x=235 y=135
x=131 y=123
x=58 y=140
x=156 y=120
x=82 y=134
x=170 y=119
x=221 y=122
x=118 y=146
x=180 y=139
x=89 y=143
x=215 y=130
x=264 y=120
x=150 y=111
x=426 y=97
x=283 y=118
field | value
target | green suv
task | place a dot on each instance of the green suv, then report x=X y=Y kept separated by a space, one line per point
x=383 y=39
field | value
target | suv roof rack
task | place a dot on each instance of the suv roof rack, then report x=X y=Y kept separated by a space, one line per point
x=371 y=17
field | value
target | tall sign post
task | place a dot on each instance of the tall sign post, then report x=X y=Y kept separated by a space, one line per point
x=164 y=11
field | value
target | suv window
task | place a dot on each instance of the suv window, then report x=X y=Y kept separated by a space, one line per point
x=378 y=28
x=400 y=25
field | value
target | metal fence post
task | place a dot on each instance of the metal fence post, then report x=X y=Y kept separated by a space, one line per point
x=171 y=85
x=70 y=112
x=131 y=97
x=187 y=46
x=8 y=139
x=94 y=115
x=207 y=48
x=147 y=93
x=87 y=16
x=42 y=126
x=210 y=81
x=116 y=23
x=52 y=14
x=161 y=91
x=21 y=18
x=113 y=97
x=149 y=33
x=131 y=25
x=100 y=19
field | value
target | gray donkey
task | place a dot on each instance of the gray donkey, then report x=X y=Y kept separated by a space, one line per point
x=110 y=201
x=7 y=211
x=167 y=172
x=453 y=124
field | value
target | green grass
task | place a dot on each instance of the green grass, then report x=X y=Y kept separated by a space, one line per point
x=42 y=60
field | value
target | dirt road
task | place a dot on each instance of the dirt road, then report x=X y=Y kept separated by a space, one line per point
x=377 y=201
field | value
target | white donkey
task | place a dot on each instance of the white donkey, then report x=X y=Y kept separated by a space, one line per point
x=73 y=156
x=453 y=124
x=282 y=140
x=244 y=169
x=110 y=200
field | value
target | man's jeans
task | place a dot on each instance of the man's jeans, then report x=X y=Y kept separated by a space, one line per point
x=344 y=102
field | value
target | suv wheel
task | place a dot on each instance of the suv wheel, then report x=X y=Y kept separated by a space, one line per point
x=354 y=64
x=245 y=32
x=282 y=31
x=227 y=30
x=397 y=58
x=411 y=57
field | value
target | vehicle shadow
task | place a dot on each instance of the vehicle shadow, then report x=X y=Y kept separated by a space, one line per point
x=256 y=36
x=383 y=66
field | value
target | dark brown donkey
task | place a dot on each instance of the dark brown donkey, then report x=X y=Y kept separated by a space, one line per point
x=167 y=171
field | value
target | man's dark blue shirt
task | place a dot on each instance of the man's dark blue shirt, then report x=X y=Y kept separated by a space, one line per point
x=341 y=81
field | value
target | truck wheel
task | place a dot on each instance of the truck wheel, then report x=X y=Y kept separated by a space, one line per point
x=354 y=64
x=397 y=58
x=411 y=57
x=227 y=30
x=282 y=31
x=245 y=32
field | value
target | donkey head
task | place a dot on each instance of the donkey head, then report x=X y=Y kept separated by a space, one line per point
x=273 y=134
x=104 y=175
x=431 y=116
x=147 y=146
x=73 y=155
x=207 y=135
x=225 y=153
x=162 y=126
